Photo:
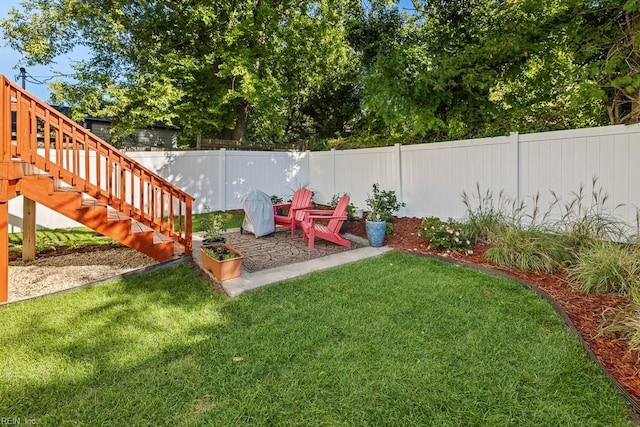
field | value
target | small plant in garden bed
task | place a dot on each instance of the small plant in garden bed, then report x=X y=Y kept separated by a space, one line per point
x=219 y=252
x=213 y=225
x=445 y=236
x=351 y=208
x=607 y=267
x=485 y=217
x=527 y=249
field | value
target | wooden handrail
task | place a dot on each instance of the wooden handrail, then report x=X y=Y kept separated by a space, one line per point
x=50 y=141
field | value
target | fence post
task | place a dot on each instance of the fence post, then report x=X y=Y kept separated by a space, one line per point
x=397 y=155
x=307 y=175
x=333 y=172
x=514 y=140
x=222 y=179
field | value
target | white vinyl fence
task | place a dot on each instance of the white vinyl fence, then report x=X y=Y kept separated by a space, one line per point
x=429 y=178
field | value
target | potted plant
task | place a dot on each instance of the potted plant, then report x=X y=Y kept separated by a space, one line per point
x=223 y=261
x=214 y=224
x=382 y=206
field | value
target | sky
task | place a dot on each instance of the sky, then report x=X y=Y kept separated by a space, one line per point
x=11 y=60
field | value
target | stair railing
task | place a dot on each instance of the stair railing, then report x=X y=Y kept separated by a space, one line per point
x=38 y=134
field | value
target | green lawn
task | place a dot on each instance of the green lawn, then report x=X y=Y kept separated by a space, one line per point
x=233 y=220
x=57 y=238
x=82 y=236
x=395 y=340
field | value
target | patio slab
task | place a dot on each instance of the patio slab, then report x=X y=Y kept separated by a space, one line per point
x=295 y=259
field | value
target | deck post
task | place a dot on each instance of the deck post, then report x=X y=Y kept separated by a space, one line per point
x=4 y=252
x=28 y=229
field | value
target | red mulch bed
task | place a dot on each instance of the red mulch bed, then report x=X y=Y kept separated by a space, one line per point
x=586 y=312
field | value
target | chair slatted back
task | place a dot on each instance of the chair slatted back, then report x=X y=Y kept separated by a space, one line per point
x=301 y=199
x=340 y=210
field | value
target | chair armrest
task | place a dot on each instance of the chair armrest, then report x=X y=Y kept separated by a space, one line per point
x=281 y=205
x=325 y=217
x=302 y=208
x=320 y=211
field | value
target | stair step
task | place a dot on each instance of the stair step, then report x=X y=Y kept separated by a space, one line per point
x=99 y=217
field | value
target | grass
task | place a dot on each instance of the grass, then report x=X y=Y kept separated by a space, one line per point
x=60 y=238
x=82 y=236
x=395 y=340
x=233 y=221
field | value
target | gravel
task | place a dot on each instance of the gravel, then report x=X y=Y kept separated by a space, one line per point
x=50 y=274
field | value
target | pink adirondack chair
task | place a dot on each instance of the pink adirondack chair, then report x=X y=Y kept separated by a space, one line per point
x=301 y=201
x=330 y=232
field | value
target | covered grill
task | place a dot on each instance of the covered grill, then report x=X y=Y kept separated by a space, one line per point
x=258 y=214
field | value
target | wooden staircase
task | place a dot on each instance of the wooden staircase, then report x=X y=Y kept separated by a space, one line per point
x=51 y=160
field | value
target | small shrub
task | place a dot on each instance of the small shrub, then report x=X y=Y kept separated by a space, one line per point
x=445 y=236
x=626 y=326
x=213 y=224
x=527 y=249
x=607 y=267
x=382 y=204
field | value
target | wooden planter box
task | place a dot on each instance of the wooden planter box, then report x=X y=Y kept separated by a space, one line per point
x=222 y=270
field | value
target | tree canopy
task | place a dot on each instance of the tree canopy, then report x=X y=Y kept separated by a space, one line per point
x=283 y=70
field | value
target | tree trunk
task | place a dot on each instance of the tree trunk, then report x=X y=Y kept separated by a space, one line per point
x=237 y=133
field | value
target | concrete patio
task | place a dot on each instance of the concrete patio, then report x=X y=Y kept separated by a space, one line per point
x=292 y=258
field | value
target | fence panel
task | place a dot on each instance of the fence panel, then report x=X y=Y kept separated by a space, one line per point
x=563 y=161
x=428 y=177
x=275 y=173
x=353 y=172
x=435 y=175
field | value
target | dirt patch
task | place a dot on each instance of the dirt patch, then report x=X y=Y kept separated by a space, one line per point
x=67 y=268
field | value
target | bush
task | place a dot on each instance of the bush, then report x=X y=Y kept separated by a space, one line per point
x=445 y=236
x=527 y=249
x=382 y=204
x=607 y=267
x=213 y=224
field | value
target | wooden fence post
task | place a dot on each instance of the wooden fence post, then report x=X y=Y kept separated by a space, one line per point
x=4 y=252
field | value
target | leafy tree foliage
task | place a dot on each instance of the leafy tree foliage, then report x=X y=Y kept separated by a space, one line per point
x=609 y=52
x=282 y=70
x=206 y=65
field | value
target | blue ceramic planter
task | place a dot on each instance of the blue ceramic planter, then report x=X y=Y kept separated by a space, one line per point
x=376 y=232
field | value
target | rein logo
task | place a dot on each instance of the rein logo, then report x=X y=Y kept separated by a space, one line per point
x=17 y=421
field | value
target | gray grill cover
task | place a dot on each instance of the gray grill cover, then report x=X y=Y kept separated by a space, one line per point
x=258 y=213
